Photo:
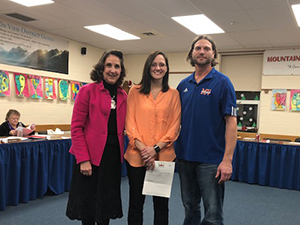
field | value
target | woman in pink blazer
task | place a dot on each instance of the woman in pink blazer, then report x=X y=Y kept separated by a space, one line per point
x=97 y=131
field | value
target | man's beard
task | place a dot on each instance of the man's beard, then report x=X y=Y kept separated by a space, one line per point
x=202 y=63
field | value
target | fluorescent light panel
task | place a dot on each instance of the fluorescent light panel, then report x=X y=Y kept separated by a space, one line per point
x=296 y=10
x=112 y=32
x=199 y=24
x=30 y=3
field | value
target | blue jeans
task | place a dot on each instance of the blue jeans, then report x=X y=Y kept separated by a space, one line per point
x=198 y=181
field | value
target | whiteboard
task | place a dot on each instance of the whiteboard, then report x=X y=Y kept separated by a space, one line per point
x=176 y=77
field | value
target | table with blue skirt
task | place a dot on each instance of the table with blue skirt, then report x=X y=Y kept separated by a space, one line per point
x=275 y=165
x=29 y=169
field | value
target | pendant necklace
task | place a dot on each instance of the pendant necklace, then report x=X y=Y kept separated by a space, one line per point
x=113 y=102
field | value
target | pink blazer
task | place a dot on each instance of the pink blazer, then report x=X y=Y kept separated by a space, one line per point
x=89 y=122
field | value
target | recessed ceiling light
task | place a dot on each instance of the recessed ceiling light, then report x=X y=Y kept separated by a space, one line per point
x=112 y=32
x=32 y=2
x=296 y=10
x=199 y=24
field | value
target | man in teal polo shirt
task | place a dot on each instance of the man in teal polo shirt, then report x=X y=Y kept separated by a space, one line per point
x=208 y=134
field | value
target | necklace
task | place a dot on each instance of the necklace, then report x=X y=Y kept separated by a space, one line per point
x=113 y=103
x=155 y=93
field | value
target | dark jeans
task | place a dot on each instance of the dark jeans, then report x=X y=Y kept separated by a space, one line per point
x=136 y=177
x=198 y=181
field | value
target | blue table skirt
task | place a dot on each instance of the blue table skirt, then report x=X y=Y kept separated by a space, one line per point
x=267 y=164
x=28 y=169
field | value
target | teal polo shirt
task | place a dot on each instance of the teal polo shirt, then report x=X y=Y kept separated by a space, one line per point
x=203 y=110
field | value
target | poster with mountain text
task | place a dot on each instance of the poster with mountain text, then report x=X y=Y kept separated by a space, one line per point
x=27 y=47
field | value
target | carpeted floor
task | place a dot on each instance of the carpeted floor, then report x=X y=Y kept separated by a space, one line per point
x=245 y=204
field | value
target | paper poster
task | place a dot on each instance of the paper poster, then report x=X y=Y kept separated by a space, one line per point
x=295 y=100
x=28 y=47
x=75 y=86
x=82 y=84
x=281 y=62
x=35 y=86
x=278 y=99
x=49 y=88
x=63 y=87
x=158 y=182
x=4 y=83
x=21 y=84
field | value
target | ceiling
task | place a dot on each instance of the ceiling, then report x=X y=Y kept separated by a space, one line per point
x=248 y=24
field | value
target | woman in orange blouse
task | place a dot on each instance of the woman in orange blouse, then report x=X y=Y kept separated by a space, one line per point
x=152 y=125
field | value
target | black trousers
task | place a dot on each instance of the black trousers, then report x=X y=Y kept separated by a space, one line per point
x=92 y=222
x=136 y=177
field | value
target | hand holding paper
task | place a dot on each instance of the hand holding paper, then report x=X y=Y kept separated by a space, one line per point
x=26 y=131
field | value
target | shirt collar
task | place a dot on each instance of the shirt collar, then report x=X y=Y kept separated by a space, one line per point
x=10 y=126
x=208 y=76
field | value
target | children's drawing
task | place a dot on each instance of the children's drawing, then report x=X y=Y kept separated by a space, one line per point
x=21 y=85
x=295 y=100
x=49 y=88
x=278 y=99
x=35 y=86
x=4 y=83
x=75 y=86
x=63 y=86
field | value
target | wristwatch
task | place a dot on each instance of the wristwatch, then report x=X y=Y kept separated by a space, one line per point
x=156 y=148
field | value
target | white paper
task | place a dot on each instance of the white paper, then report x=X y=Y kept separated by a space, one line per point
x=65 y=137
x=50 y=131
x=5 y=140
x=158 y=182
x=31 y=126
x=294 y=143
x=57 y=131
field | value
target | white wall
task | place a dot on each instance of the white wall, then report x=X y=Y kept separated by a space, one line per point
x=42 y=111
x=245 y=72
x=177 y=62
x=279 y=122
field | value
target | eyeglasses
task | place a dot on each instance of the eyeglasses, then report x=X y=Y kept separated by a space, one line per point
x=160 y=65
x=14 y=119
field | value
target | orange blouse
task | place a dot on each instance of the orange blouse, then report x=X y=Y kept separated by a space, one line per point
x=151 y=121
